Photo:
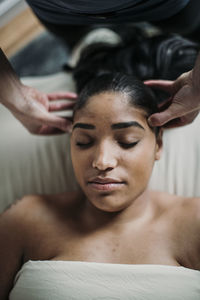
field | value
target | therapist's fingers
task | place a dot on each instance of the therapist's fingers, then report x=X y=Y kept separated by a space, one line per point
x=182 y=121
x=165 y=104
x=172 y=118
x=52 y=120
x=48 y=130
x=57 y=106
x=165 y=85
x=175 y=110
x=62 y=95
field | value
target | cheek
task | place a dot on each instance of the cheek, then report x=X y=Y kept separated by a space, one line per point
x=140 y=163
x=80 y=162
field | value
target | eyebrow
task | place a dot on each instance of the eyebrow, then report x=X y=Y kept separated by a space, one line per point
x=84 y=126
x=113 y=126
x=126 y=125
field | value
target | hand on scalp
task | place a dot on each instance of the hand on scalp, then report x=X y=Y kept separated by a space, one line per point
x=183 y=104
x=34 y=110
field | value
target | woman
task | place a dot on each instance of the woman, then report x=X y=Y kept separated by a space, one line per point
x=113 y=239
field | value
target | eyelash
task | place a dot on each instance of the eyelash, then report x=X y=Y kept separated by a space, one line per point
x=123 y=145
x=81 y=145
x=128 y=145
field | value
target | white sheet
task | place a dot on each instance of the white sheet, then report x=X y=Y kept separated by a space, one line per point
x=72 y=280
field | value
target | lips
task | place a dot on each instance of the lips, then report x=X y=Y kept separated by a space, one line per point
x=105 y=180
x=105 y=184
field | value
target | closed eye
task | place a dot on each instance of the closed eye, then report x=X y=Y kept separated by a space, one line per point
x=123 y=145
x=84 y=145
x=128 y=145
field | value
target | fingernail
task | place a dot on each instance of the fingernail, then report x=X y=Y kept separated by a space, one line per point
x=69 y=128
x=150 y=122
x=74 y=95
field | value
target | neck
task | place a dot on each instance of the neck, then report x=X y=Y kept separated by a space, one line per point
x=139 y=209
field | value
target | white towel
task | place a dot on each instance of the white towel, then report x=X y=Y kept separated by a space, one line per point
x=75 y=280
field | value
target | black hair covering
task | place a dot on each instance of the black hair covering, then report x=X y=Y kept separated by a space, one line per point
x=163 y=56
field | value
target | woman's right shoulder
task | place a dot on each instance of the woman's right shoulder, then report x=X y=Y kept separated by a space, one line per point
x=28 y=205
x=18 y=213
x=34 y=211
x=15 y=225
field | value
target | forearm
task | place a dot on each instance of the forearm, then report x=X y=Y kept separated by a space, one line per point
x=10 y=85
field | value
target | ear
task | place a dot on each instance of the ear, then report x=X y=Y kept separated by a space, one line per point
x=159 y=145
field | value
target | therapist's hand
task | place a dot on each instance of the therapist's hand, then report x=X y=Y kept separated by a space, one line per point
x=183 y=105
x=34 y=110
x=31 y=107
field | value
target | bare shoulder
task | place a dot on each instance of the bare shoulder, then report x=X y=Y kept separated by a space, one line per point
x=20 y=206
x=12 y=241
x=191 y=207
x=21 y=227
x=183 y=208
x=164 y=201
x=182 y=216
x=188 y=208
x=15 y=212
x=31 y=203
x=189 y=231
x=167 y=200
x=22 y=212
x=36 y=209
x=13 y=223
x=15 y=220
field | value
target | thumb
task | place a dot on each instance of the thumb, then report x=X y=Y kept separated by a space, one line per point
x=52 y=120
x=161 y=118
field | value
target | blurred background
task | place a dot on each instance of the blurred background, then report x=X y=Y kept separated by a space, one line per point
x=29 y=47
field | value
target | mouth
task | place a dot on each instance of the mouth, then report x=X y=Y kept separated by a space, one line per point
x=105 y=184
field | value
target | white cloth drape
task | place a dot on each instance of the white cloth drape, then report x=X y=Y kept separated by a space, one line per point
x=72 y=280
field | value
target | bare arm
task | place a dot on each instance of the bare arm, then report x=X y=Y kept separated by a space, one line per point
x=9 y=82
x=30 y=106
x=11 y=249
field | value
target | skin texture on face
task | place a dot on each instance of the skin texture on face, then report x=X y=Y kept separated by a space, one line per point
x=113 y=150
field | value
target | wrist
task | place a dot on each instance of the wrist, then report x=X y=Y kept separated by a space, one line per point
x=11 y=93
x=10 y=84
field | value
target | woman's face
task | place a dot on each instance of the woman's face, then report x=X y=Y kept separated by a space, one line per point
x=113 y=151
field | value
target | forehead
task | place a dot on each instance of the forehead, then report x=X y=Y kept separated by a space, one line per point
x=109 y=107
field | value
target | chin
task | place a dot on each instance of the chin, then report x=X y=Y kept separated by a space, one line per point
x=108 y=203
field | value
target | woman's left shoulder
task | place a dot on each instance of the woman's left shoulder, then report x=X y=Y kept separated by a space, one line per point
x=179 y=205
x=188 y=207
x=191 y=207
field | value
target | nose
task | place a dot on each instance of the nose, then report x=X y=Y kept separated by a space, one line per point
x=104 y=158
